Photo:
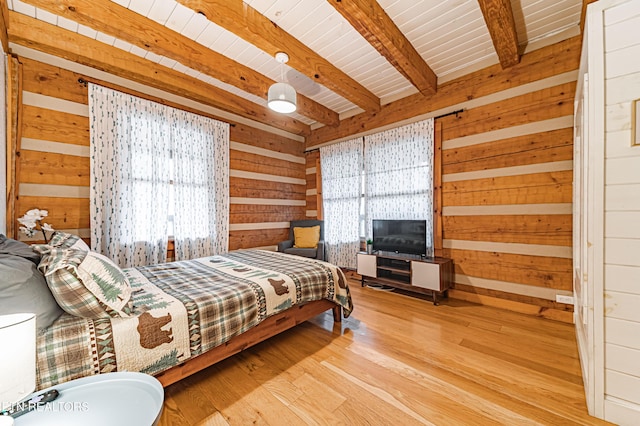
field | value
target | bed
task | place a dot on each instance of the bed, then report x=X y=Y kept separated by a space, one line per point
x=188 y=315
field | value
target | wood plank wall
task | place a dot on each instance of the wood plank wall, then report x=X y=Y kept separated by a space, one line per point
x=507 y=191
x=313 y=175
x=267 y=170
x=506 y=181
x=621 y=214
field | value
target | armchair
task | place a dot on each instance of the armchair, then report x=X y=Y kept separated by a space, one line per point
x=288 y=245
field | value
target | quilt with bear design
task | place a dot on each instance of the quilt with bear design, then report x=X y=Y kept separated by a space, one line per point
x=183 y=309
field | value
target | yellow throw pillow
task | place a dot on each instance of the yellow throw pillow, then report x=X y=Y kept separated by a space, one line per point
x=306 y=237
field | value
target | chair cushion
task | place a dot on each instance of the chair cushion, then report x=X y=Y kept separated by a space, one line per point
x=87 y=284
x=306 y=237
x=305 y=252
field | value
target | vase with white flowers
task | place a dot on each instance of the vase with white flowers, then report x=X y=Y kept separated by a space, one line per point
x=32 y=222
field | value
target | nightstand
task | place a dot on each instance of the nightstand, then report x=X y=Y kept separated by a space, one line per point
x=120 y=398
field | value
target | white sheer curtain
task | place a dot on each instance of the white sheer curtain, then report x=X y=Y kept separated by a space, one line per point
x=201 y=185
x=398 y=165
x=130 y=166
x=141 y=151
x=341 y=165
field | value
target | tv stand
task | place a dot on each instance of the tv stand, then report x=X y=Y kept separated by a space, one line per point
x=426 y=275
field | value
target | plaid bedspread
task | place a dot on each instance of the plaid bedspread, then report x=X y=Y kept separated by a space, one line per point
x=184 y=309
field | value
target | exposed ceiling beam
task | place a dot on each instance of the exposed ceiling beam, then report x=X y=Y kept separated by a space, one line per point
x=248 y=24
x=373 y=23
x=107 y=17
x=499 y=18
x=542 y=63
x=51 y=39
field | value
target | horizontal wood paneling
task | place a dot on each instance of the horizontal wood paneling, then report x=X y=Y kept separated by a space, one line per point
x=260 y=238
x=39 y=123
x=622 y=306
x=256 y=213
x=488 y=183
x=528 y=229
x=536 y=301
x=311 y=180
x=617 y=197
x=253 y=188
x=311 y=157
x=46 y=190
x=252 y=149
x=622 y=212
x=512 y=132
x=541 y=105
x=622 y=171
x=263 y=176
x=623 y=386
x=539 y=271
x=622 y=224
x=54 y=147
x=276 y=162
x=512 y=209
x=314 y=199
x=50 y=168
x=617 y=332
x=260 y=164
x=553 y=187
x=510 y=288
x=504 y=301
x=622 y=358
x=527 y=169
x=267 y=201
x=312 y=202
x=52 y=81
x=263 y=139
x=55 y=104
x=622 y=251
x=624 y=279
x=64 y=213
x=556 y=145
x=512 y=248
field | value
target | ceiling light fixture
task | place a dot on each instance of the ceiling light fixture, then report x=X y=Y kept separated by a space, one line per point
x=282 y=96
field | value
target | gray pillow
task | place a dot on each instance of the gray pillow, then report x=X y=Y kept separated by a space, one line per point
x=24 y=289
x=18 y=248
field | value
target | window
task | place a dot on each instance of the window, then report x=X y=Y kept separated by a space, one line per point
x=154 y=166
x=388 y=175
x=398 y=174
x=342 y=200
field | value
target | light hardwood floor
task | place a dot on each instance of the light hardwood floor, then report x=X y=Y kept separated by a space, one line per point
x=398 y=360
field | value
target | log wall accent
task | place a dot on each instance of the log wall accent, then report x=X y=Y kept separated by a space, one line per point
x=267 y=170
x=507 y=193
x=313 y=179
x=506 y=179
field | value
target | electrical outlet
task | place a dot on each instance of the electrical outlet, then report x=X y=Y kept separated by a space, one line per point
x=564 y=299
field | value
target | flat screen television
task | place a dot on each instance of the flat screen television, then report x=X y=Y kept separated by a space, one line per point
x=400 y=236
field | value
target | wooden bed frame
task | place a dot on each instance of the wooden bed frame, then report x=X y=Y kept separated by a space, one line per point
x=272 y=326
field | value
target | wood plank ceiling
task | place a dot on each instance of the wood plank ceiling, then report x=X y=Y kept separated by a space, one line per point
x=345 y=56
